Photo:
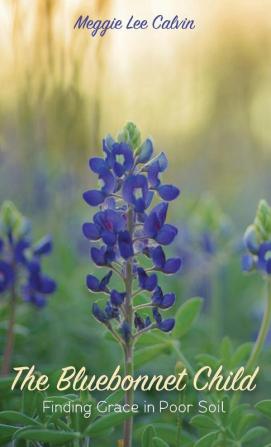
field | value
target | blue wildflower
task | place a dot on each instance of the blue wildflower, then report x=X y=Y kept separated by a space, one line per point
x=264 y=257
x=21 y=261
x=125 y=244
x=164 y=325
x=163 y=301
x=98 y=313
x=145 y=152
x=107 y=224
x=6 y=276
x=130 y=178
x=103 y=256
x=156 y=228
x=125 y=331
x=155 y=167
x=135 y=191
x=146 y=282
x=117 y=298
x=167 y=266
x=123 y=159
x=96 y=285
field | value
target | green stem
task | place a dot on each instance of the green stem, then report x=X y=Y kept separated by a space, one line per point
x=129 y=396
x=259 y=343
x=10 y=335
x=179 y=421
x=183 y=359
x=129 y=345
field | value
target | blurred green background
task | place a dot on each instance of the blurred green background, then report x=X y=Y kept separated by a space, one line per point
x=205 y=98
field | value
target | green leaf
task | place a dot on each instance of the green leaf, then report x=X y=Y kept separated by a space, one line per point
x=206 y=441
x=5 y=383
x=254 y=433
x=115 y=397
x=17 y=418
x=145 y=355
x=158 y=442
x=241 y=354
x=208 y=359
x=6 y=432
x=202 y=421
x=247 y=420
x=186 y=316
x=147 y=436
x=236 y=417
x=226 y=350
x=105 y=422
x=264 y=407
x=151 y=338
x=44 y=435
x=29 y=402
x=169 y=432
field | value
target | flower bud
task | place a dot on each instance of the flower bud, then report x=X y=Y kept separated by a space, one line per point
x=250 y=239
x=262 y=221
x=130 y=135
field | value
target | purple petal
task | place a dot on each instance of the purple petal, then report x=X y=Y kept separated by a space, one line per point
x=6 y=276
x=117 y=298
x=168 y=301
x=157 y=296
x=151 y=225
x=99 y=313
x=97 y=164
x=162 y=161
x=146 y=282
x=109 y=238
x=109 y=182
x=91 y=231
x=247 y=263
x=97 y=256
x=47 y=285
x=105 y=281
x=167 y=325
x=146 y=151
x=125 y=244
x=44 y=246
x=153 y=173
x=172 y=265
x=94 y=197
x=93 y=283
x=158 y=257
x=168 y=192
x=166 y=234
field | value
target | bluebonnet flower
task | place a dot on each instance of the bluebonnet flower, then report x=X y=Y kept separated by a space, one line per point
x=164 y=325
x=168 y=266
x=95 y=285
x=6 y=276
x=257 y=240
x=156 y=228
x=163 y=301
x=146 y=282
x=131 y=177
x=117 y=298
x=20 y=260
x=103 y=256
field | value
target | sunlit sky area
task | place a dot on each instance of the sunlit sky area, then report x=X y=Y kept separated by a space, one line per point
x=208 y=87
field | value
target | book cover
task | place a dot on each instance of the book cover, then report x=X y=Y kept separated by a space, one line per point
x=135 y=223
